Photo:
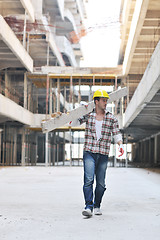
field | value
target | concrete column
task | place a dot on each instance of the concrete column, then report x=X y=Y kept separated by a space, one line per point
x=54 y=148
x=63 y=148
x=54 y=97
x=58 y=95
x=46 y=150
x=49 y=150
x=140 y=152
x=57 y=145
x=29 y=95
x=7 y=84
x=158 y=149
x=50 y=98
x=36 y=100
x=47 y=93
x=70 y=147
x=147 y=151
x=151 y=151
x=34 y=150
x=155 y=148
x=25 y=91
x=15 y=148
x=23 y=148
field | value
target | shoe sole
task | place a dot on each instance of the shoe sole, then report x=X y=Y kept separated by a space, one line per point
x=98 y=214
x=86 y=214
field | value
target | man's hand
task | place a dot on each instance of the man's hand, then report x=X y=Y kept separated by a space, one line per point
x=121 y=149
x=56 y=114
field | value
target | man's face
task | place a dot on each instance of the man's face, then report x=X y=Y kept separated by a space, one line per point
x=102 y=103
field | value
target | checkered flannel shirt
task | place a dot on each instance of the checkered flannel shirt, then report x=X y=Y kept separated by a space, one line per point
x=109 y=126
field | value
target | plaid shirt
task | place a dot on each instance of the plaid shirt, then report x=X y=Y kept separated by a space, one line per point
x=109 y=126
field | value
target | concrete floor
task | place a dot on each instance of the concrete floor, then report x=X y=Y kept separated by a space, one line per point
x=38 y=203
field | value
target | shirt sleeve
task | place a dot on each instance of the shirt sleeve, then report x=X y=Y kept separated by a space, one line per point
x=115 y=128
x=84 y=119
x=117 y=138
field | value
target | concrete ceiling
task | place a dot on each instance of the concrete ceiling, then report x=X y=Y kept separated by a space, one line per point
x=147 y=122
x=140 y=33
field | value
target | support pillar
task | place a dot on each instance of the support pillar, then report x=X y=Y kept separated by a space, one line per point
x=64 y=155
x=50 y=98
x=7 y=84
x=54 y=96
x=155 y=149
x=25 y=91
x=15 y=148
x=58 y=95
x=23 y=148
x=29 y=95
x=70 y=147
x=47 y=93
x=46 y=150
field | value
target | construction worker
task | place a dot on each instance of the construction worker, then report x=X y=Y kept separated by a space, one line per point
x=100 y=124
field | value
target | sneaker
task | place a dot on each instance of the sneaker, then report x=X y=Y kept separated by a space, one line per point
x=87 y=212
x=97 y=211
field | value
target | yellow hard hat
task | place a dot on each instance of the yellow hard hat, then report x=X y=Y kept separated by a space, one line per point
x=101 y=93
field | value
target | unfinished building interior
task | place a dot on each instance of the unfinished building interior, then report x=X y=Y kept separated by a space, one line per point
x=40 y=74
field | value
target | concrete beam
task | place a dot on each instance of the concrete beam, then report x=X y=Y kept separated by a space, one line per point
x=52 y=42
x=13 y=111
x=136 y=25
x=65 y=47
x=146 y=89
x=10 y=39
x=29 y=8
x=55 y=50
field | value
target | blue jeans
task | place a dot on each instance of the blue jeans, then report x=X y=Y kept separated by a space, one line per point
x=95 y=165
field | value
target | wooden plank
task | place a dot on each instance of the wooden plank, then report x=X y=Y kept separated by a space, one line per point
x=61 y=119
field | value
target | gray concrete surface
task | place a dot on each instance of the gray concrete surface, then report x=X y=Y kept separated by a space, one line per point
x=45 y=203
